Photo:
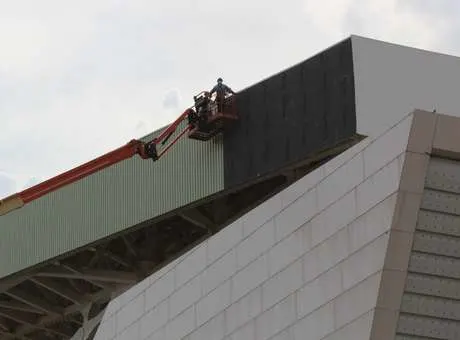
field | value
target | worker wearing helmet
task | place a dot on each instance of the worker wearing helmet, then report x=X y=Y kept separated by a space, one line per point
x=221 y=90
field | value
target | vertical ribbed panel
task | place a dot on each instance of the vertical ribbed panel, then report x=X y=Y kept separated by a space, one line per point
x=109 y=201
x=430 y=308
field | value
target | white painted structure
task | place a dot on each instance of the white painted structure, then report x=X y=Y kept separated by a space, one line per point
x=392 y=80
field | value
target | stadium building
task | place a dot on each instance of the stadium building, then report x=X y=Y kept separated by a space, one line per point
x=329 y=210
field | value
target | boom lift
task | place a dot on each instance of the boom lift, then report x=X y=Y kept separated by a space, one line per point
x=201 y=122
x=210 y=117
x=205 y=120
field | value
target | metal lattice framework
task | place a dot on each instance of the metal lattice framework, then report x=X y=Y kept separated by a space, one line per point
x=66 y=295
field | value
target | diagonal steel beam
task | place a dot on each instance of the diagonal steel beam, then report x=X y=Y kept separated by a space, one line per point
x=9 y=283
x=73 y=270
x=116 y=258
x=19 y=317
x=129 y=245
x=28 y=322
x=32 y=301
x=111 y=276
x=8 y=335
x=102 y=252
x=3 y=327
x=85 y=331
x=195 y=217
x=19 y=306
x=58 y=289
x=103 y=295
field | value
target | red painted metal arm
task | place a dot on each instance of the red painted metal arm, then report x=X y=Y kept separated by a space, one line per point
x=171 y=128
x=127 y=151
x=187 y=129
x=115 y=156
x=144 y=150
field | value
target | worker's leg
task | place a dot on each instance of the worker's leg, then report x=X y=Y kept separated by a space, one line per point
x=220 y=104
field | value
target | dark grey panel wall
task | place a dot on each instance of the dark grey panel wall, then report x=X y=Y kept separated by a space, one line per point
x=291 y=115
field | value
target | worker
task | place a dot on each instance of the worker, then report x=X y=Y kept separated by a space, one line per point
x=221 y=90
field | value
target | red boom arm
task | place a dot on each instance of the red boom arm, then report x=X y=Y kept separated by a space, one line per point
x=171 y=128
x=81 y=171
x=127 y=151
x=144 y=149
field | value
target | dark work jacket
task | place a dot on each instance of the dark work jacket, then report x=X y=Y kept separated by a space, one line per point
x=221 y=89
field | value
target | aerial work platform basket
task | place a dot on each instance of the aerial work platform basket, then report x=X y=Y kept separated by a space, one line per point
x=211 y=117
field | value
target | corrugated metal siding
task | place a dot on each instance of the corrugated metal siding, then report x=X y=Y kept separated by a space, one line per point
x=430 y=308
x=109 y=201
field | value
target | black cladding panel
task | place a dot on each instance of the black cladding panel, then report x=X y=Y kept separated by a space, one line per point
x=289 y=116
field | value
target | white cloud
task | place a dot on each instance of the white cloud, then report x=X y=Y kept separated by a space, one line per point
x=381 y=19
x=7 y=185
x=31 y=182
x=80 y=78
x=38 y=37
x=23 y=43
x=171 y=100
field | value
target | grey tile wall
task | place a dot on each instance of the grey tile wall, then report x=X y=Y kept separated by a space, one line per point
x=309 y=261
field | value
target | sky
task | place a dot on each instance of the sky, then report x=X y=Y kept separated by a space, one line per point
x=79 y=78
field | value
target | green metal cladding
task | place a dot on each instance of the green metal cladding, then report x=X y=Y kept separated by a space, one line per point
x=109 y=201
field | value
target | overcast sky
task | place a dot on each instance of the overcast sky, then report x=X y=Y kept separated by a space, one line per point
x=79 y=78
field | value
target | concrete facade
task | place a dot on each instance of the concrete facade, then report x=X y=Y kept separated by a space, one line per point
x=392 y=80
x=326 y=258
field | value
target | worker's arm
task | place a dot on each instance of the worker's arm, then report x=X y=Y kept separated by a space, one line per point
x=228 y=89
